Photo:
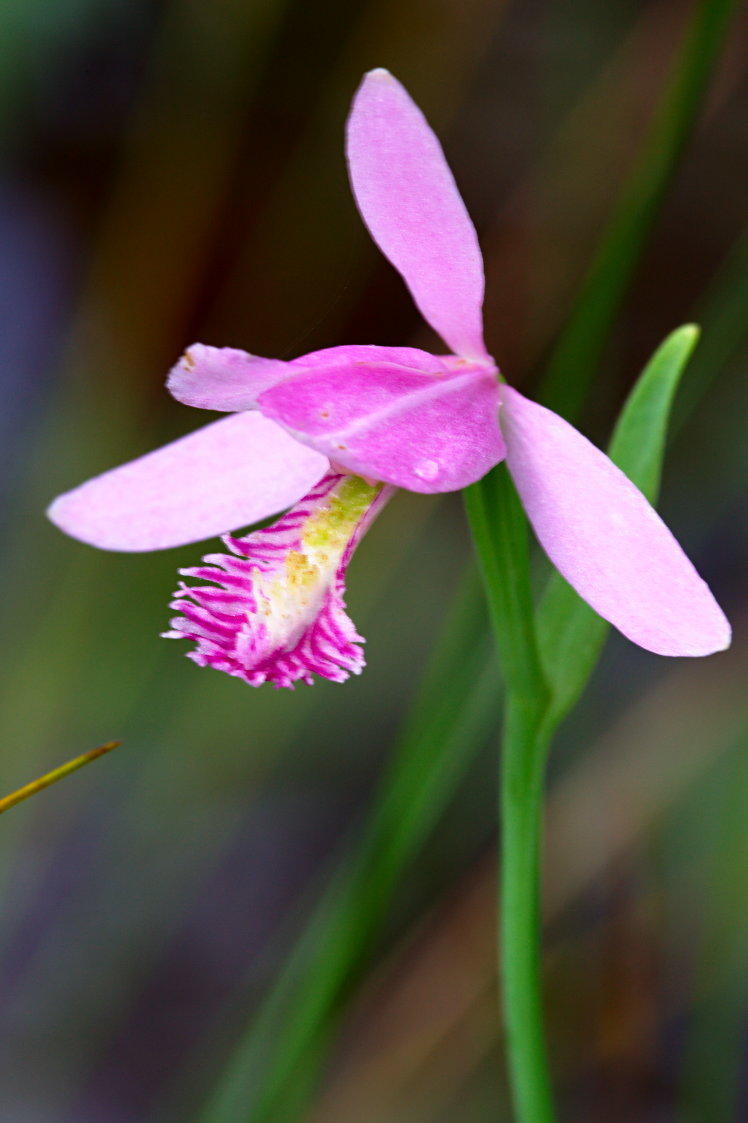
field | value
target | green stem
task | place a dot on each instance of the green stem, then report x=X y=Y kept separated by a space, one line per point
x=499 y=531
x=521 y=805
x=500 y=535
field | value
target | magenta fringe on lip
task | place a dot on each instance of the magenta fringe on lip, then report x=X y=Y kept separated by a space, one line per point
x=228 y=619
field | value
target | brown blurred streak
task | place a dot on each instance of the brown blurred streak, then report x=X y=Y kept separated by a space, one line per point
x=176 y=166
x=309 y=247
x=630 y=999
x=597 y=815
x=545 y=235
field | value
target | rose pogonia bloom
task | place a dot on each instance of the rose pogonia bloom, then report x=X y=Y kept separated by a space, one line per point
x=333 y=433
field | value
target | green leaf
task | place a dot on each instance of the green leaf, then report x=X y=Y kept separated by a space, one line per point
x=570 y=633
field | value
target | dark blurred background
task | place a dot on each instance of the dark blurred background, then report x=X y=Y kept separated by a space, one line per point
x=172 y=171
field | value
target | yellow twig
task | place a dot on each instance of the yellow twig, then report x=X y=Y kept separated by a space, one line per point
x=55 y=775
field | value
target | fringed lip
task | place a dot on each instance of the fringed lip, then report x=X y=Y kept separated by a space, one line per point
x=274 y=610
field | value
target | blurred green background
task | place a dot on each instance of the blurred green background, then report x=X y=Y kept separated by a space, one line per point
x=172 y=171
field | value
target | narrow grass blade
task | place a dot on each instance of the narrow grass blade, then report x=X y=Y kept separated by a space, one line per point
x=573 y=363
x=570 y=633
x=723 y=314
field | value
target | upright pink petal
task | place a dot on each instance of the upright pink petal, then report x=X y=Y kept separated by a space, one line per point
x=274 y=608
x=410 y=203
x=223 y=378
x=605 y=539
x=227 y=475
x=422 y=430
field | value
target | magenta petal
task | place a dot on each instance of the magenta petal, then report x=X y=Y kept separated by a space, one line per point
x=369 y=354
x=605 y=538
x=223 y=378
x=410 y=203
x=227 y=475
x=421 y=431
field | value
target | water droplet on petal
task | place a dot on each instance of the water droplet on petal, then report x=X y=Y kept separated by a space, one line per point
x=427 y=470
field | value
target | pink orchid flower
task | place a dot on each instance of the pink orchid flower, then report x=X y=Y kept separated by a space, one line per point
x=332 y=434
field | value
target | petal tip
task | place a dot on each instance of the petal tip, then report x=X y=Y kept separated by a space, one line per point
x=706 y=631
x=721 y=636
x=380 y=74
x=709 y=633
x=180 y=379
x=73 y=518
x=226 y=379
x=55 y=513
x=685 y=639
x=188 y=360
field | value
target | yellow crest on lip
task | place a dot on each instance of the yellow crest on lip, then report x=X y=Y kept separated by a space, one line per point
x=335 y=520
x=291 y=598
